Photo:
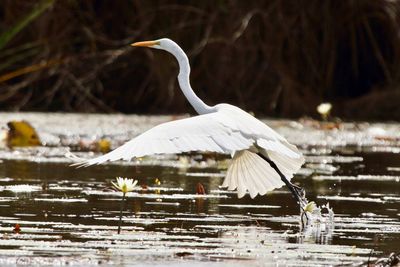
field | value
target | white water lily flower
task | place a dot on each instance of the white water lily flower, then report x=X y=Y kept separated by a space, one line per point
x=124 y=185
x=310 y=206
x=324 y=108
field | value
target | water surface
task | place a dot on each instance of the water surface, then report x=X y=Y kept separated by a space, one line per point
x=70 y=216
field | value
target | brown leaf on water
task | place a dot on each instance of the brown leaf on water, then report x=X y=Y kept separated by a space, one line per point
x=17 y=228
x=200 y=189
x=21 y=133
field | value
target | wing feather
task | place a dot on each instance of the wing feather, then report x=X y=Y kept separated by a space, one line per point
x=241 y=188
x=248 y=172
x=228 y=130
x=247 y=181
x=253 y=184
x=234 y=179
x=259 y=178
x=268 y=176
x=277 y=146
x=200 y=133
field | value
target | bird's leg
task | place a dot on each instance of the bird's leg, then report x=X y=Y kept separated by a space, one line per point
x=300 y=190
x=303 y=214
x=297 y=191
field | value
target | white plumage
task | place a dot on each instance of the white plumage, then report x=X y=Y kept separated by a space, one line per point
x=223 y=129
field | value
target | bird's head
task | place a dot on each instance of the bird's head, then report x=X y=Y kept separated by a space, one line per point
x=163 y=44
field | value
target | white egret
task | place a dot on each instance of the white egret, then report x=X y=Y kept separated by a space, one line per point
x=262 y=159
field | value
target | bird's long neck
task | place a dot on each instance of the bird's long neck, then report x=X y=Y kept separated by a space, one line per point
x=184 y=82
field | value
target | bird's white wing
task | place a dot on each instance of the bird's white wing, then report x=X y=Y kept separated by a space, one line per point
x=248 y=172
x=230 y=130
x=250 y=127
x=199 y=133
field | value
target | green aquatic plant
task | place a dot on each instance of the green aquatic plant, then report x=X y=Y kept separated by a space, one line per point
x=124 y=185
x=6 y=36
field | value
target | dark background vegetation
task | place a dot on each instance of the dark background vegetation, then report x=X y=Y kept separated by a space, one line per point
x=275 y=58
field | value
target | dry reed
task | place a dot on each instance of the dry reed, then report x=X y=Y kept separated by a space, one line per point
x=276 y=58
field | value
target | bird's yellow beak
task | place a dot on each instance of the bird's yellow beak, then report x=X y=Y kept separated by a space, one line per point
x=146 y=43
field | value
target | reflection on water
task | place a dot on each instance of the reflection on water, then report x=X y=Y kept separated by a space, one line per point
x=67 y=211
x=54 y=214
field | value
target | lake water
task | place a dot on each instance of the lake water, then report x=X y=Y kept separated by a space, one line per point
x=70 y=216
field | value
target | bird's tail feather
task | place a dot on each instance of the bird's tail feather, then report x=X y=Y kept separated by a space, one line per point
x=248 y=172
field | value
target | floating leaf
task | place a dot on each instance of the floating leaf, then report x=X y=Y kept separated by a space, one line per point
x=17 y=228
x=103 y=146
x=21 y=133
x=200 y=189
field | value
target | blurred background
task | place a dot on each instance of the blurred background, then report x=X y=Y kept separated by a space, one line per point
x=276 y=58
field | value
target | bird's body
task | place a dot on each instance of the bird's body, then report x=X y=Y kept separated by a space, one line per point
x=222 y=128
